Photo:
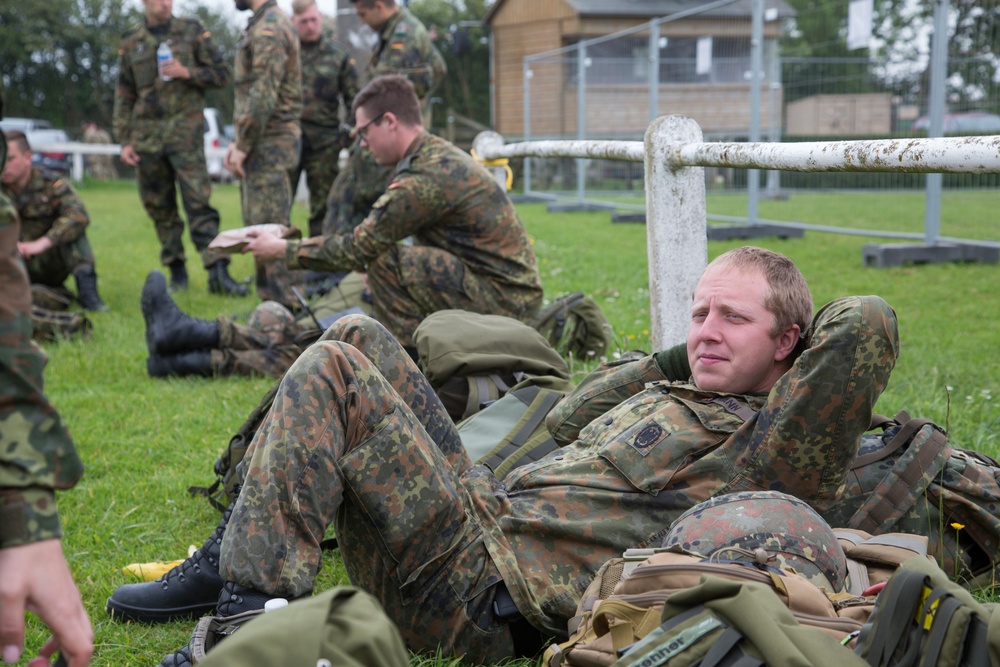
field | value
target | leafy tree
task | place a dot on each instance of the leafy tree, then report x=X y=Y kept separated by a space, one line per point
x=460 y=36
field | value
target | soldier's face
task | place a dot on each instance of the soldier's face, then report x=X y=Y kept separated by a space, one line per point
x=374 y=17
x=309 y=25
x=158 y=11
x=380 y=136
x=730 y=346
x=17 y=169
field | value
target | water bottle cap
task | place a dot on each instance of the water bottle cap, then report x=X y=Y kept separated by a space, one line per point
x=276 y=603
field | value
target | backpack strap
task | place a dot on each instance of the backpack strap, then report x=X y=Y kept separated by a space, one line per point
x=907 y=480
x=899 y=603
x=512 y=452
x=908 y=429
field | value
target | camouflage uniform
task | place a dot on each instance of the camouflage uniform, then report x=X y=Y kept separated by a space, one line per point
x=405 y=48
x=356 y=438
x=470 y=249
x=273 y=337
x=101 y=167
x=268 y=105
x=329 y=76
x=37 y=455
x=49 y=206
x=164 y=122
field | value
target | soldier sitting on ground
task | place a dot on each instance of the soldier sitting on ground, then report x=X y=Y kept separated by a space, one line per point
x=470 y=250
x=488 y=568
x=53 y=225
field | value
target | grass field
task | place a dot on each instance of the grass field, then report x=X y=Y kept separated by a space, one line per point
x=145 y=441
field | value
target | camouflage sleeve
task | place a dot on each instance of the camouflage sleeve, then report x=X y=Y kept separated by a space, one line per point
x=125 y=97
x=270 y=53
x=212 y=70
x=807 y=434
x=601 y=390
x=349 y=82
x=73 y=218
x=37 y=455
x=409 y=55
x=408 y=204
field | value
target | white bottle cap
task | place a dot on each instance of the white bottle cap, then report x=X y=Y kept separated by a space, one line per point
x=275 y=603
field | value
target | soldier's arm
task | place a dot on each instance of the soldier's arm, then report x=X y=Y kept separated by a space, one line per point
x=411 y=56
x=806 y=436
x=211 y=70
x=349 y=82
x=408 y=204
x=37 y=455
x=267 y=69
x=73 y=218
x=125 y=97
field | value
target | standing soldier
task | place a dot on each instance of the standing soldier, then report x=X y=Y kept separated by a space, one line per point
x=329 y=78
x=268 y=105
x=101 y=167
x=405 y=48
x=165 y=64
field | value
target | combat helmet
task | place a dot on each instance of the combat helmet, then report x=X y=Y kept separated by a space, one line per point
x=737 y=526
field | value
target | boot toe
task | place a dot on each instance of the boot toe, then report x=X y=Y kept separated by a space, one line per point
x=189 y=595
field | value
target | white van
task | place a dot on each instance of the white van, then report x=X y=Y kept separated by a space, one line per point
x=215 y=146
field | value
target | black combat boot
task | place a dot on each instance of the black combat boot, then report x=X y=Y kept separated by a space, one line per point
x=188 y=591
x=86 y=289
x=181 y=364
x=178 y=275
x=234 y=599
x=220 y=282
x=168 y=328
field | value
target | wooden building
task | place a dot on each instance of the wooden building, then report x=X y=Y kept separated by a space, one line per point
x=703 y=63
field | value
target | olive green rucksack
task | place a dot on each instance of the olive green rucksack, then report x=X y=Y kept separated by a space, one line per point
x=575 y=326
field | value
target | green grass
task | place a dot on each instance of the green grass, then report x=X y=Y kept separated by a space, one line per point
x=145 y=441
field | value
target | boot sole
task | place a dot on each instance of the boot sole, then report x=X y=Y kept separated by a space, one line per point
x=122 y=612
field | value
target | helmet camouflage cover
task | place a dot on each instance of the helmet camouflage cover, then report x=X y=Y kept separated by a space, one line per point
x=732 y=526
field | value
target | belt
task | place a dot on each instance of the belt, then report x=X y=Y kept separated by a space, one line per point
x=528 y=640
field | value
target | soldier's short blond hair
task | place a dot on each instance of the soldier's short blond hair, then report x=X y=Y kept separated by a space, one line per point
x=17 y=138
x=788 y=297
x=299 y=6
x=391 y=92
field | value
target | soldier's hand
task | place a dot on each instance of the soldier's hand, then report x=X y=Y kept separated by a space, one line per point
x=129 y=156
x=266 y=247
x=234 y=160
x=29 y=249
x=36 y=578
x=175 y=69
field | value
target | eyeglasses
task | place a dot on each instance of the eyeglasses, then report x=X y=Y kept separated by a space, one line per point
x=363 y=130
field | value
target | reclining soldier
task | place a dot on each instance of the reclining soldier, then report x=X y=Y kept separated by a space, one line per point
x=489 y=568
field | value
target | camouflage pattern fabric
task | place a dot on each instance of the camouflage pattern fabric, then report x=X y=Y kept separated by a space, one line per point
x=329 y=77
x=37 y=455
x=266 y=346
x=405 y=48
x=731 y=526
x=101 y=167
x=357 y=439
x=49 y=206
x=268 y=104
x=470 y=249
x=164 y=122
x=49 y=326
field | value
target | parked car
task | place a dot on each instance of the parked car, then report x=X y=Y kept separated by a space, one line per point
x=968 y=122
x=215 y=139
x=49 y=159
x=24 y=124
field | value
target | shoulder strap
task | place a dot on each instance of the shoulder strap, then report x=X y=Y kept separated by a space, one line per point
x=909 y=428
x=515 y=450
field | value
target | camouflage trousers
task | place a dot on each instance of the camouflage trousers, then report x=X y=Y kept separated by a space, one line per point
x=55 y=265
x=410 y=282
x=159 y=176
x=357 y=438
x=266 y=345
x=321 y=165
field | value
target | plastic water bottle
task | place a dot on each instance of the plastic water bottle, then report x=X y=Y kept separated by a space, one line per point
x=163 y=54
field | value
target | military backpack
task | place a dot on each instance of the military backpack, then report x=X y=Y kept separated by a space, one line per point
x=575 y=326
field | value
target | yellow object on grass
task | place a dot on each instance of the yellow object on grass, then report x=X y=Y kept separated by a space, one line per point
x=155 y=570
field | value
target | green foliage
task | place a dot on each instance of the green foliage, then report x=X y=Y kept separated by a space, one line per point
x=145 y=441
